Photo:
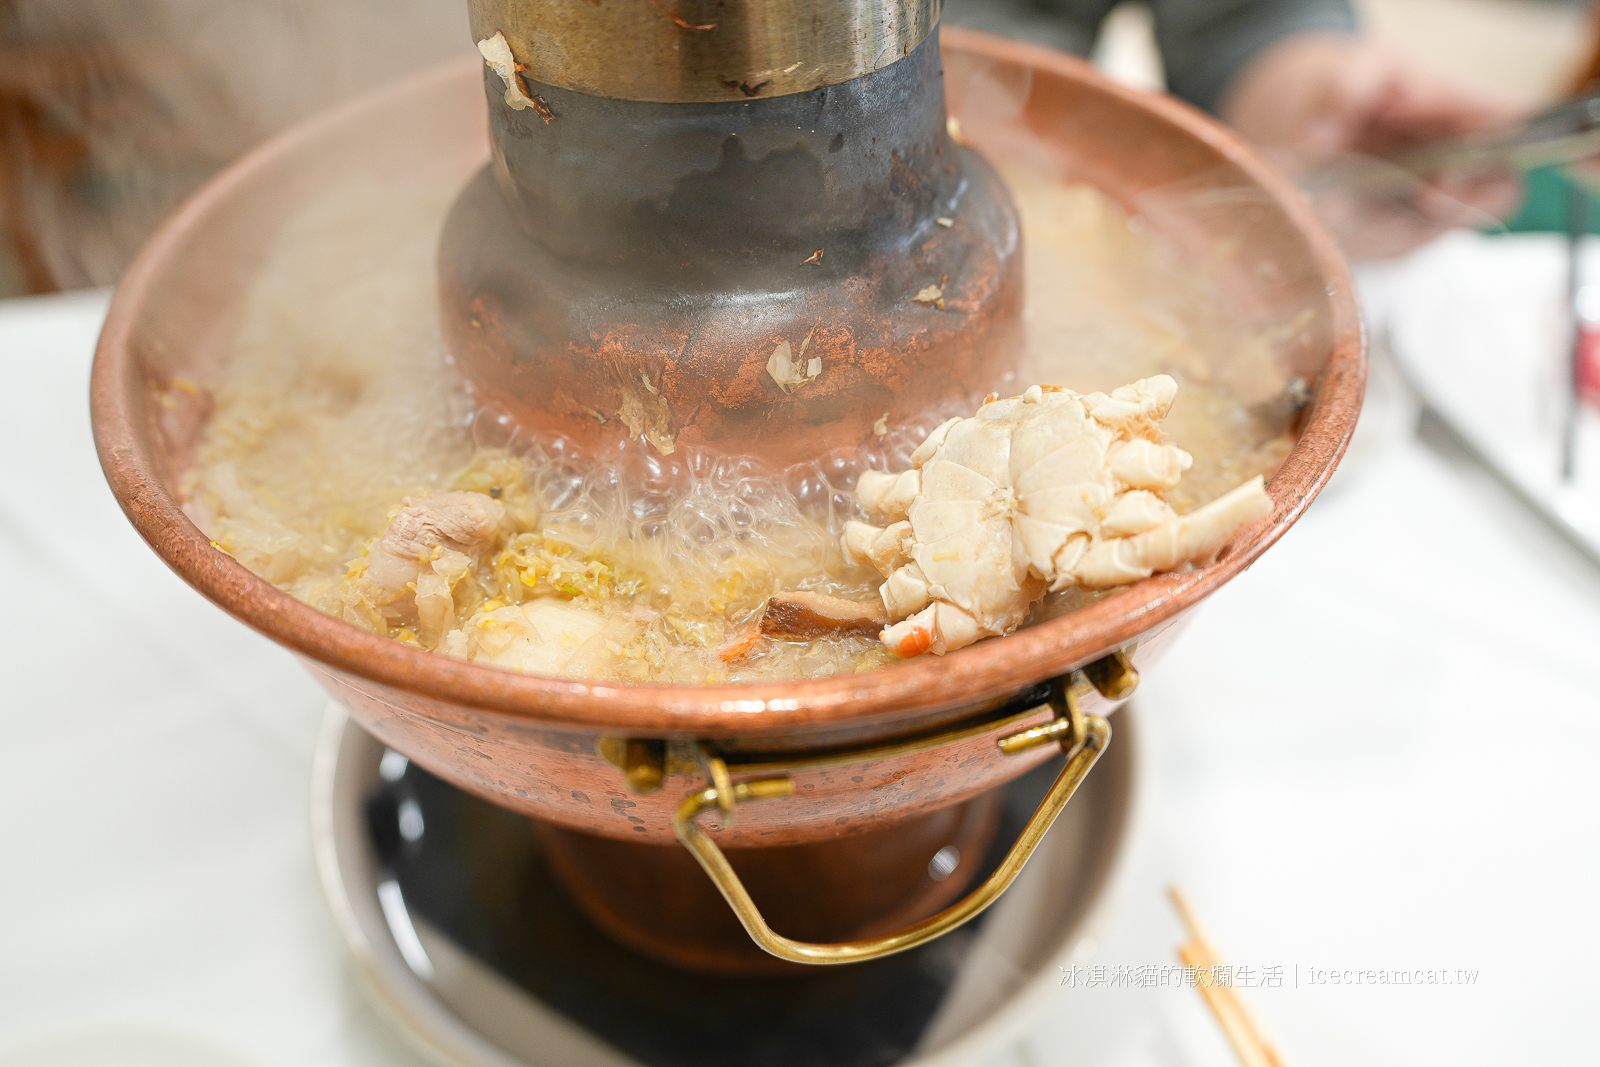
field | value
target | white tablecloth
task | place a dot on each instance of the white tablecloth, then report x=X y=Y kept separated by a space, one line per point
x=1373 y=751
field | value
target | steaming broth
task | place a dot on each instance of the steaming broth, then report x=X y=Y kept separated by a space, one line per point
x=336 y=405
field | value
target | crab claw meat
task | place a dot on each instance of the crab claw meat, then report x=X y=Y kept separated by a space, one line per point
x=905 y=591
x=1135 y=512
x=888 y=494
x=1144 y=464
x=1181 y=540
x=886 y=548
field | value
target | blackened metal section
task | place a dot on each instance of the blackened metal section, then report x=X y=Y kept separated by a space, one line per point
x=629 y=268
x=730 y=195
x=479 y=876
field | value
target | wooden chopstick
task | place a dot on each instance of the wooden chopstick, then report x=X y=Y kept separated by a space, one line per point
x=1244 y=1031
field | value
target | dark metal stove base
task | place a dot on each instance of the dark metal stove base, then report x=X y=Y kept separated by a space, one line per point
x=476 y=874
x=479 y=958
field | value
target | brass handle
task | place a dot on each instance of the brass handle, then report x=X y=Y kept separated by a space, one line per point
x=1095 y=734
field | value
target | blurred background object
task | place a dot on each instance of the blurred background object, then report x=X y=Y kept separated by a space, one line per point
x=112 y=111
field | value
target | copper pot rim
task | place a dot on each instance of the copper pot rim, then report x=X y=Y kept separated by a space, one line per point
x=928 y=684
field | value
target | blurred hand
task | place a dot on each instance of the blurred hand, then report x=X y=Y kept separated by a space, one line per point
x=1314 y=99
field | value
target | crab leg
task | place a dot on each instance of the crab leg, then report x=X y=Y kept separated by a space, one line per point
x=938 y=628
x=1196 y=535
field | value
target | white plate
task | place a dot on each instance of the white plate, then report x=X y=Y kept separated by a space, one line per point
x=1480 y=325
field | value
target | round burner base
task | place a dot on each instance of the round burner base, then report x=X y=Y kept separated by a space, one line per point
x=452 y=914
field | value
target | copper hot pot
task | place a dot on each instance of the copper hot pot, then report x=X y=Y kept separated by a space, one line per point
x=829 y=759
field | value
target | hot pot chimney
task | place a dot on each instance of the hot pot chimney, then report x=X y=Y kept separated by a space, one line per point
x=726 y=223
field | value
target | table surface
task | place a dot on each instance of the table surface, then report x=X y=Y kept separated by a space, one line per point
x=1373 y=752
